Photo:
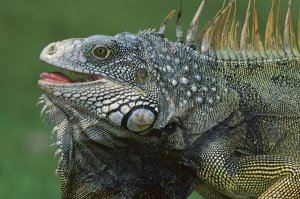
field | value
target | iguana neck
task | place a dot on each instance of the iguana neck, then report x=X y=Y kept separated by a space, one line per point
x=190 y=83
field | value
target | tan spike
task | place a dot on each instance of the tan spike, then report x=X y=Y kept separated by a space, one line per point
x=219 y=25
x=206 y=34
x=231 y=41
x=236 y=35
x=215 y=37
x=165 y=23
x=233 y=44
x=191 y=34
x=258 y=48
x=225 y=32
x=223 y=5
x=211 y=37
x=293 y=37
x=269 y=35
x=244 y=44
x=215 y=42
x=179 y=32
x=278 y=37
x=289 y=35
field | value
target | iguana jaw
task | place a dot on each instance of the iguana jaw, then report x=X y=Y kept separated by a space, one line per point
x=60 y=79
x=102 y=90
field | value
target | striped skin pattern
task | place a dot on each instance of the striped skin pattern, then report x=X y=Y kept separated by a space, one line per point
x=147 y=117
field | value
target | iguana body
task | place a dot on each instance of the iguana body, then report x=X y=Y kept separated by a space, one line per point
x=152 y=118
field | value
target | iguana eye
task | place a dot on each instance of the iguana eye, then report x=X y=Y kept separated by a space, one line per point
x=101 y=52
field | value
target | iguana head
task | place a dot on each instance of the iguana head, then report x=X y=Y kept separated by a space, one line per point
x=116 y=80
x=125 y=79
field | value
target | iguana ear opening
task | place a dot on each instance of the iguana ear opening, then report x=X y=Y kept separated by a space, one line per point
x=141 y=75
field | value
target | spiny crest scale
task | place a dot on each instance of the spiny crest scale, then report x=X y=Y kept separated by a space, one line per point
x=220 y=37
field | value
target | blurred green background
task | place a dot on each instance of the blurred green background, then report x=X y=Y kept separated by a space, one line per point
x=26 y=26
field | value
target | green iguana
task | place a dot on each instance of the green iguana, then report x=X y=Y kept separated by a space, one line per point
x=147 y=117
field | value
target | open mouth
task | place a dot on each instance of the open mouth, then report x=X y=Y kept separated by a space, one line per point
x=68 y=77
x=58 y=54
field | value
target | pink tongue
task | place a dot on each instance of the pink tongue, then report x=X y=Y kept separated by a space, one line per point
x=55 y=77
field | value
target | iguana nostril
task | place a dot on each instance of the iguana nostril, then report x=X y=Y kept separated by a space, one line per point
x=52 y=50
